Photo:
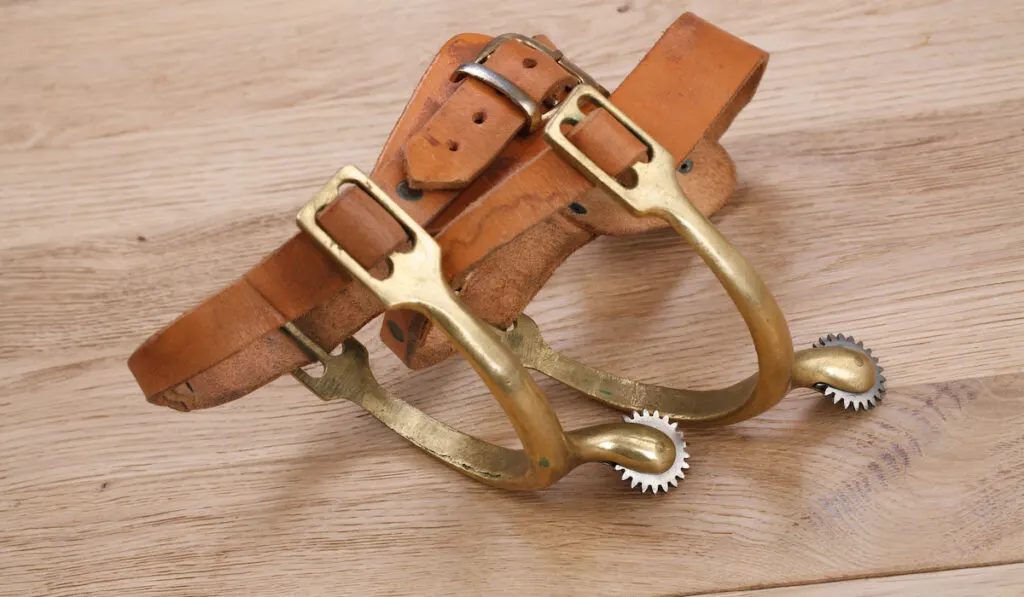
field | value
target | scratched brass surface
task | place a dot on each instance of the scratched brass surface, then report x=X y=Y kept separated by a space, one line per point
x=656 y=192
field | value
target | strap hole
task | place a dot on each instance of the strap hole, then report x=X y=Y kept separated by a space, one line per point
x=577 y=208
x=479 y=117
x=406 y=192
x=529 y=63
x=453 y=146
x=686 y=167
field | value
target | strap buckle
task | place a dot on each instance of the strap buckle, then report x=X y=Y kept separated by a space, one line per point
x=839 y=366
x=581 y=75
x=532 y=110
x=505 y=87
x=416 y=282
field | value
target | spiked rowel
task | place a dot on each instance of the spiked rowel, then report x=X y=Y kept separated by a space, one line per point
x=674 y=473
x=851 y=400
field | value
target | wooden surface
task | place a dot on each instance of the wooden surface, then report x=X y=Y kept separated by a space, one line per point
x=151 y=151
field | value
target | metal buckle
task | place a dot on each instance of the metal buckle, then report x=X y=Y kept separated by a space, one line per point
x=843 y=368
x=477 y=70
x=505 y=87
x=557 y=55
x=416 y=282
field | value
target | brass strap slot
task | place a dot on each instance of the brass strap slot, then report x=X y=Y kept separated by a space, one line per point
x=416 y=283
x=832 y=367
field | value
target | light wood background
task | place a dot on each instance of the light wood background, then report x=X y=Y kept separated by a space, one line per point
x=151 y=151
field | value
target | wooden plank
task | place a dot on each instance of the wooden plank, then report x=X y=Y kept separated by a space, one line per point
x=990 y=581
x=242 y=499
x=151 y=151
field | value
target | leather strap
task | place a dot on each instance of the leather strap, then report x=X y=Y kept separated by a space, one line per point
x=298 y=277
x=501 y=249
x=230 y=344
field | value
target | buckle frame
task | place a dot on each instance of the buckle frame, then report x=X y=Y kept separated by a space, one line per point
x=416 y=282
x=557 y=55
x=655 y=191
x=488 y=76
x=415 y=277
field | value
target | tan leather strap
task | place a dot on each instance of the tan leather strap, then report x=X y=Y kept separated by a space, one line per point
x=298 y=277
x=230 y=344
x=501 y=249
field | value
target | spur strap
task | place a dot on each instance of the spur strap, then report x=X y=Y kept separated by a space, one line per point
x=498 y=263
x=298 y=282
x=459 y=163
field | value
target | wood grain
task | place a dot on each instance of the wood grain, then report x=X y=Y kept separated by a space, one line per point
x=151 y=151
x=990 y=581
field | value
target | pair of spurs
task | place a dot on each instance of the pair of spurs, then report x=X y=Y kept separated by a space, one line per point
x=647 y=447
x=505 y=159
